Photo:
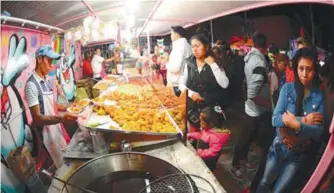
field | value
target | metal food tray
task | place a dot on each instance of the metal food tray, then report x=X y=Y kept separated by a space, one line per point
x=106 y=127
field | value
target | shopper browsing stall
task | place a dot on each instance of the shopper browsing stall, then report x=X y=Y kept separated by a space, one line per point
x=181 y=50
x=97 y=62
x=299 y=123
x=39 y=96
x=203 y=78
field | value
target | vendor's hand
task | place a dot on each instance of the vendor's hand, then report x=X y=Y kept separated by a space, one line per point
x=209 y=60
x=313 y=119
x=291 y=121
x=70 y=117
x=196 y=97
x=61 y=107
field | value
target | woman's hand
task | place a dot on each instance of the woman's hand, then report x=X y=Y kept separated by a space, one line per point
x=209 y=60
x=313 y=119
x=196 y=97
x=291 y=121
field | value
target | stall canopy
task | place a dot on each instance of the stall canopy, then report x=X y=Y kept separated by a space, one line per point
x=153 y=17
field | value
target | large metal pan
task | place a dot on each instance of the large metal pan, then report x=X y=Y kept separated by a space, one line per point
x=126 y=172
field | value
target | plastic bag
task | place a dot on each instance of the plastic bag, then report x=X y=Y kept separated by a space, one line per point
x=81 y=94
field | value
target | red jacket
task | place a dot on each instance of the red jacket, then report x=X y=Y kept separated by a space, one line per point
x=290 y=76
x=215 y=140
x=87 y=70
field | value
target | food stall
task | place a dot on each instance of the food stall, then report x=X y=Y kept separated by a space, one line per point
x=128 y=123
x=132 y=114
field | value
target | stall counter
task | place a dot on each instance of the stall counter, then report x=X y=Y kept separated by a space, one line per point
x=179 y=155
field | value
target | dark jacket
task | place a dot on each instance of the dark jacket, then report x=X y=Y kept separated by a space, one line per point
x=205 y=84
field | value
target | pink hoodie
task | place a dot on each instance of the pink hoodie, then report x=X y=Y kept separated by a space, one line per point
x=215 y=140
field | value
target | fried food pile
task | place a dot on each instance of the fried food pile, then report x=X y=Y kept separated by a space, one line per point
x=147 y=120
x=78 y=106
x=138 y=108
x=178 y=114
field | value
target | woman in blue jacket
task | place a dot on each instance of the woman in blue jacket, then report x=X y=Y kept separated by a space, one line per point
x=298 y=119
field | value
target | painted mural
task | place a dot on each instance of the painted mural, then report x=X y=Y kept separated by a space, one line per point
x=65 y=74
x=15 y=130
x=18 y=47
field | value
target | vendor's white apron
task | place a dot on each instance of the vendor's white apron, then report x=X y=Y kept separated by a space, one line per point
x=53 y=138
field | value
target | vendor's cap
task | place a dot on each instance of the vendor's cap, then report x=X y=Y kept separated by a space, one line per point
x=47 y=50
x=180 y=30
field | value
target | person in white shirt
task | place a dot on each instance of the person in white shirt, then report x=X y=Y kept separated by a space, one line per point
x=181 y=50
x=97 y=62
x=39 y=96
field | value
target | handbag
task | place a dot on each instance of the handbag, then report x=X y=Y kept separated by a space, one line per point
x=193 y=117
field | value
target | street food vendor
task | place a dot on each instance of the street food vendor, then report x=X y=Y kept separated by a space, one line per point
x=97 y=62
x=40 y=99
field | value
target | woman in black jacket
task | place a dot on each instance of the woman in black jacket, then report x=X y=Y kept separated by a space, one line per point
x=203 y=78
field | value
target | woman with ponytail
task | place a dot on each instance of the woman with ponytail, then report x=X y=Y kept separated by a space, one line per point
x=203 y=78
x=298 y=119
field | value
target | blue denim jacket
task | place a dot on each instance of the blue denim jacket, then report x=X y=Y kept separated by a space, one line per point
x=314 y=102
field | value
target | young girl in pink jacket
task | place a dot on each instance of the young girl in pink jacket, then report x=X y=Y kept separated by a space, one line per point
x=210 y=140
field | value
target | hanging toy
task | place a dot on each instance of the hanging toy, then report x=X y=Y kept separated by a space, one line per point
x=160 y=43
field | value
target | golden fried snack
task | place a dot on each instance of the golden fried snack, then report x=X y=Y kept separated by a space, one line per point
x=74 y=108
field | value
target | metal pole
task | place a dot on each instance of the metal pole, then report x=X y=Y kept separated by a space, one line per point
x=149 y=52
x=148 y=43
x=312 y=24
x=211 y=28
x=186 y=120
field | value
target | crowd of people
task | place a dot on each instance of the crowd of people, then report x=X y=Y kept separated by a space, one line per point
x=288 y=107
x=95 y=66
x=287 y=110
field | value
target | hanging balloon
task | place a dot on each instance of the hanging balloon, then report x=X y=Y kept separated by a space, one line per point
x=86 y=30
x=95 y=35
x=68 y=35
x=88 y=21
x=105 y=31
x=77 y=35
x=96 y=23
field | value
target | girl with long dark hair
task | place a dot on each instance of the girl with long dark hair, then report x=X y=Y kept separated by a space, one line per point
x=298 y=118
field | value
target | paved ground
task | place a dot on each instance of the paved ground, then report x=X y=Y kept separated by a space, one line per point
x=235 y=116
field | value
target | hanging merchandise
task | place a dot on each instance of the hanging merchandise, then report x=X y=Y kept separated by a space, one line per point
x=96 y=23
x=160 y=43
x=95 y=35
x=78 y=35
x=87 y=22
x=68 y=35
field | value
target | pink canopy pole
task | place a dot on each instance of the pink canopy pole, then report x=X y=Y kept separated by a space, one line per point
x=88 y=7
x=150 y=16
x=323 y=164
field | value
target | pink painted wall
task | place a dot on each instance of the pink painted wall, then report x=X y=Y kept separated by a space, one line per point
x=34 y=40
x=78 y=62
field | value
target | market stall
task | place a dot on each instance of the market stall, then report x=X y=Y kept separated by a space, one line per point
x=121 y=113
x=132 y=113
